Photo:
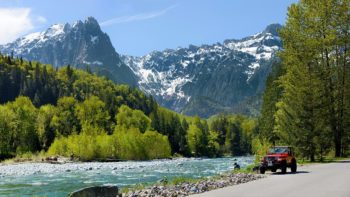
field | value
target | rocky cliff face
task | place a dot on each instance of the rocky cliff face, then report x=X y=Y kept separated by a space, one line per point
x=209 y=79
x=81 y=44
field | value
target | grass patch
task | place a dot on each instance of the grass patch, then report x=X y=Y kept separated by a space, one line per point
x=180 y=180
x=137 y=187
x=247 y=170
x=26 y=157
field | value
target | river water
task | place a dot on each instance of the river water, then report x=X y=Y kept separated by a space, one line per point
x=42 y=179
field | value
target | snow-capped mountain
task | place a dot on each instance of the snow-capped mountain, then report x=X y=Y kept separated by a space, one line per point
x=208 y=79
x=80 y=44
x=197 y=80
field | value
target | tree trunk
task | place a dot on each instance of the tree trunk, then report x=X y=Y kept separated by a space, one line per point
x=332 y=111
x=312 y=157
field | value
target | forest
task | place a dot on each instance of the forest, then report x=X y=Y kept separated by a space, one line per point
x=307 y=99
x=75 y=113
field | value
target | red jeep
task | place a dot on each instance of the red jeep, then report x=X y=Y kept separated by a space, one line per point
x=279 y=157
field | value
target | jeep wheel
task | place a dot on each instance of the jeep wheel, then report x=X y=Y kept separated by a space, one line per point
x=284 y=168
x=293 y=168
x=262 y=170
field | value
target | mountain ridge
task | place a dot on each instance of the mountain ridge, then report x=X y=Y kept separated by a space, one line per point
x=177 y=76
x=225 y=74
x=81 y=44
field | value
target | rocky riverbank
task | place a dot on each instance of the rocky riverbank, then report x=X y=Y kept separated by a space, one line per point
x=60 y=178
x=189 y=188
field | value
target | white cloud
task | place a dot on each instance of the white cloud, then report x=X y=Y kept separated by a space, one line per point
x=14 y=22
x=41 y=19
x=138 y=17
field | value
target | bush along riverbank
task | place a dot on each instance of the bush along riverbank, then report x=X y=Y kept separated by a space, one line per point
x=185 y=187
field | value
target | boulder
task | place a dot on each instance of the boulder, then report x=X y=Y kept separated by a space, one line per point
x=52 y=158
x=96 y=191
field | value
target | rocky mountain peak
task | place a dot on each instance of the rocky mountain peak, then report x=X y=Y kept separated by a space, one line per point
x=273 y=29
x=80 y=44
x=78 y=24
x=225 y=73
x=91 y=20
x=91 y=23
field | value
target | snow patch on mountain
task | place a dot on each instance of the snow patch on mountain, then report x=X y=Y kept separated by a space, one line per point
x=40 y=37
x=157 y=83
x=93 y=39
x=55 y=30
x=168 y=74
x=34 y=40
x=93 y=63
x=254 y=47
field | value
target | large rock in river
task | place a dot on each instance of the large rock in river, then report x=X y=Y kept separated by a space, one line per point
x=96 y=191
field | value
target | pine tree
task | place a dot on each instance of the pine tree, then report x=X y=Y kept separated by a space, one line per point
x=272 y=94
x=316 y=58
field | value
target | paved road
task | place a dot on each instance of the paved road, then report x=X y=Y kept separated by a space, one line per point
x=321 y=180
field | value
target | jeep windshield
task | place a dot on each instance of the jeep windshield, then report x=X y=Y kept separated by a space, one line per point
x=278 y=150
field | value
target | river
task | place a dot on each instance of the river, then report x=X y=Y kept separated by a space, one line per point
x=43 y=179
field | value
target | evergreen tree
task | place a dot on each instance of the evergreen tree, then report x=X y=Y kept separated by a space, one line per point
x=316 y=59
x=271 y=96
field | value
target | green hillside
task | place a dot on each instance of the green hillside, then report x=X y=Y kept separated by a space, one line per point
x=78 y=114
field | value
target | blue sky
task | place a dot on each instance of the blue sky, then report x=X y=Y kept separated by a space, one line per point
x=137 y=27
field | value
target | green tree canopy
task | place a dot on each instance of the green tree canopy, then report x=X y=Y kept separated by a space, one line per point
x=129 y=118
x=92 y=113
